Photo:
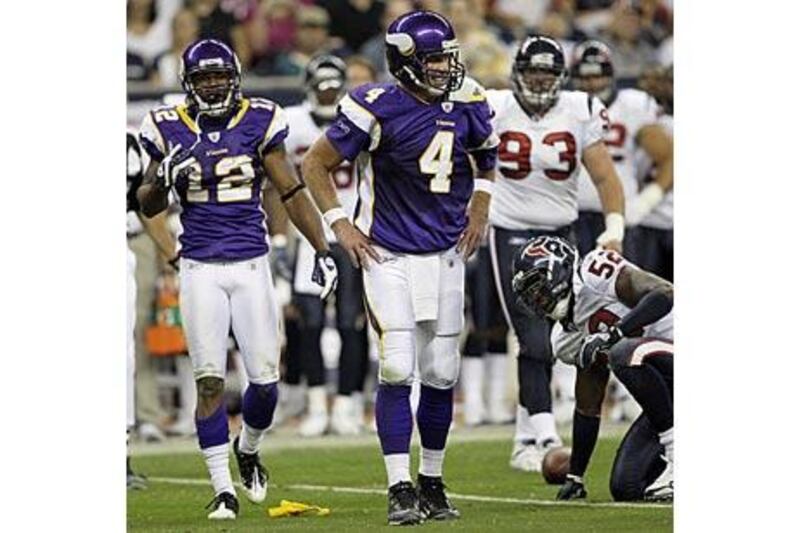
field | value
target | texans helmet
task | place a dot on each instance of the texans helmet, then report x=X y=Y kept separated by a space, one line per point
x=593 y=70
x=416 y=38
x=543 y=271
x=539 y=73
x=325 y=82
x=201 y=65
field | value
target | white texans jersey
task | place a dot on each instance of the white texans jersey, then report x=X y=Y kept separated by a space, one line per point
x=538 y=159
x=303 y=132
x=597 y=306
x=661 y=216
x=631 y=110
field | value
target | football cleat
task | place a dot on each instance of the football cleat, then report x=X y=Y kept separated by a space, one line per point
x=135 y=481
x=314 y=425
x=433 y=502
x=572 y=489
x=224 y=506
x=252 y=473
x=527 y=455
x=661 y=490
x=343 y=416
x=403 y=505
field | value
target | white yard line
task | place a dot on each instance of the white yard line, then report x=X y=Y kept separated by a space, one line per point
x=455 y=496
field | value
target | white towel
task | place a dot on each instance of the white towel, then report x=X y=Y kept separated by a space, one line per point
x=423 y=272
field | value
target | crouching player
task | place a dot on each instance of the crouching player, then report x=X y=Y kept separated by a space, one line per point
x=609 y=314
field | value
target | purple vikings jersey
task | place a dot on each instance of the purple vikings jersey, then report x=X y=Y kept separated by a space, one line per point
x=222 y=216
x=413 y=162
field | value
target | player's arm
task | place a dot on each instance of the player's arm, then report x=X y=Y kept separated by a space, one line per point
x=649 y=298
x=152 y=198
x=601 y=169
x=658 y=146
x=156 y=227
x=590 y=389
x=278 y=225
x=478 y=214
x=318 y=163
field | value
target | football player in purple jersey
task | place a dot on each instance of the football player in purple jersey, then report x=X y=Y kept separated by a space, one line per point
x=425 y=153
x=216 y=152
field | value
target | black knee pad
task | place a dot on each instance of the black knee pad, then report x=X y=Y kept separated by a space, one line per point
x=620 y=354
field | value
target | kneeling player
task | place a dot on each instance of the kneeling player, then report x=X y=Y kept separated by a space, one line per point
x=609 y=314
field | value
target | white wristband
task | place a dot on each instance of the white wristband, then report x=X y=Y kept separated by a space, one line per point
x=279 y=240
x=615 y=229
x=332 y=215
x=484 y=185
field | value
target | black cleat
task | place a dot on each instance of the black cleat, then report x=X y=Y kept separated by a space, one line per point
x=224 y=506
x=433 y=502
x=253 y=474
x=135 y=481
x=403 y=505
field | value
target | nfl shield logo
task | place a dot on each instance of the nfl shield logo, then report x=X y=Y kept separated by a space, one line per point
x=447 y=106
x=214 y=136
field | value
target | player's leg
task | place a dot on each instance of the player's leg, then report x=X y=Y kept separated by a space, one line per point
x=438 y=353
x=308 y=348
x=134 y=481
x=536 y=427
x=346 y=419
x=254 y=318
x=205 y=309
x=292 y=393
x=387 y=297
x=477 y=343
x=638 y=462
x=644 y=366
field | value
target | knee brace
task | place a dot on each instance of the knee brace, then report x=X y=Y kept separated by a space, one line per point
x=439 y=362
x=631 y=352
x=396 y=353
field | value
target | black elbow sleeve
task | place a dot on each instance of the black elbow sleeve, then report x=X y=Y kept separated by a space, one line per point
x=652 y=308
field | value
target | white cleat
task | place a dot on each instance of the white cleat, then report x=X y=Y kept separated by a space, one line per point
x=149 y=432
x=661 y=490
x=314 y=425
x=343 y=421
x=224 y=506
x=526 y=456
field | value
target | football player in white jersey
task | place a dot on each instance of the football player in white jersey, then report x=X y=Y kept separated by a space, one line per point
x=633 y=116
x=609 y=314
x=545 y=133
x=325 y=82
x=654 y=238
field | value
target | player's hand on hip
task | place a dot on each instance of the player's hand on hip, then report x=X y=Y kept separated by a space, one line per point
x=355 y=243
x=325 y=274
x=471 y=239
x=572 y=489
x=596 y=346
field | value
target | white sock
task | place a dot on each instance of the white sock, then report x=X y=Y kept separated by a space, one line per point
x=544 y=427
x=666 y=439
x=397 y=467
x=472 y=389
x=496 y=380
x=250 y=438
x=317 y=400
x=564 y=379
x=524 y=429
x=430 y=462
x=217 y=463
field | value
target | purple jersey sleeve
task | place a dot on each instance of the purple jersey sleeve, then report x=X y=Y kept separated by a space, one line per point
x=356 y=129
x=483 y=141
x=277 y=130
x=345 y=136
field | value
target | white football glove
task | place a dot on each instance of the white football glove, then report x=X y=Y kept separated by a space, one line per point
x=325 y=273
x=173 y=166
x=615 y=229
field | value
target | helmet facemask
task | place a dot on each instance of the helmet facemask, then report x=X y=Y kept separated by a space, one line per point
x=324 y=93
x=435 y=80
x=214 y=91
x=591 y=78
x=537 y=87
x=540 y=295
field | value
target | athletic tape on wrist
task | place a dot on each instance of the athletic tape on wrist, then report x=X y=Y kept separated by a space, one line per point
x=483 y=185
x=332 y=215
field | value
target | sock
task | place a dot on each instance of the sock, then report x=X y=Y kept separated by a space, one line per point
x=393 y=418
x=434 y=416
x=258 y=408
x=666 y=439
x=496 y=381
x=217 y=463
x=430 y=462
x=397 y=467
x=523 y=430
x=584 y=432
x=317 y=400
x=544 y=428
x=472 y=389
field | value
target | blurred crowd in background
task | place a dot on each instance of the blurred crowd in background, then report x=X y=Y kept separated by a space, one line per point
x=274 y=40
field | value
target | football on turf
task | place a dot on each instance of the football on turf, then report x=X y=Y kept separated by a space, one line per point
x=555 y=465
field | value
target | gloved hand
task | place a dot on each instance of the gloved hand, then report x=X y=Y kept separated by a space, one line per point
x=325 y=273
x=176 y=165
x=572 y=489
x=596 y=345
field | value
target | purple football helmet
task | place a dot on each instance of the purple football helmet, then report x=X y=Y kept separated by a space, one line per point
x=211 y=74
x=415 y=39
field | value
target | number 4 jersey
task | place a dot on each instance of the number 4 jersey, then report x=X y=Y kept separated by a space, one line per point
x=414 y=162
x=597 y=306
x=222 y=217
x=539 y=159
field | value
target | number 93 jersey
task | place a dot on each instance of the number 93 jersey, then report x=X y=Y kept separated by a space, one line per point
x=539 y=159
x=222 y=217
x=597 y=306
x=414 y=162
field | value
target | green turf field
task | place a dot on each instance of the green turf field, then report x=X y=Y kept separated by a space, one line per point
x=347 y=478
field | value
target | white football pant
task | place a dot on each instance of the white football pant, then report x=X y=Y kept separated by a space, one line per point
x=131 y=343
